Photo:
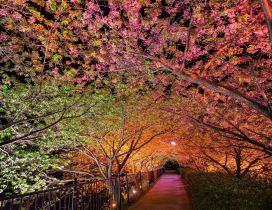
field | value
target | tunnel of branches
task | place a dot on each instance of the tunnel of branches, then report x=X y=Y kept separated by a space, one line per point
x=93 y=89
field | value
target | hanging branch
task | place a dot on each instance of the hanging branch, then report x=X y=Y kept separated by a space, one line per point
x=260 y=88
x=217 y=162
x=267 y=11
x=75 y=171
x=26 y=136
x=225 y=90
x=239 y=137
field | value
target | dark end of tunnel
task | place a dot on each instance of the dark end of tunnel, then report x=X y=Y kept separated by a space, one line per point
x=171 y=165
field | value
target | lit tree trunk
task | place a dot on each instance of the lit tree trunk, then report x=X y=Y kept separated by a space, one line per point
x=238 y=160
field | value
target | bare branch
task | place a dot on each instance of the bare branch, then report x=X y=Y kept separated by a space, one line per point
x=75 y=171
x=217 y=162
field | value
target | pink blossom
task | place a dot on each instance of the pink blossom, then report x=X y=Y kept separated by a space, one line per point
x=135 y=23
x=3 y=37
x=32 y=20
x=114 y=14
x=55 y=70
x=186 y=13
x=14 y=46
x=17 y=15
x=3 y=12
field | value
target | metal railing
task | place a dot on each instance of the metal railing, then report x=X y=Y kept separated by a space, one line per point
x=84 y=195
x=89 y=194
x=134 y=185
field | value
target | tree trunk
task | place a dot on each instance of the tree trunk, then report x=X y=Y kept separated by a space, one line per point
x=115 y=189
x=238 y=160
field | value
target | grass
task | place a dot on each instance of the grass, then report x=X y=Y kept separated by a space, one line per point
x=217 y=191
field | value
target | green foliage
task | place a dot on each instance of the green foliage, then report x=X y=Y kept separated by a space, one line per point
x=27 y=162
x=6 y=134
x=53 y=6
x=57 y=57
x=24 y=170
x=216 y=191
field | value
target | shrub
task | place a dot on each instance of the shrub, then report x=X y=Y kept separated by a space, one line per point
x=217 y=191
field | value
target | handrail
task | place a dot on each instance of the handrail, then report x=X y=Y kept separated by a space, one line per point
x=85 y=194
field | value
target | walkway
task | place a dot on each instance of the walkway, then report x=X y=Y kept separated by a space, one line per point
x=167 y=194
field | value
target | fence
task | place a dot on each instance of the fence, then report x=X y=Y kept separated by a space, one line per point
x=84 y=195
x=134 y=185
x=89 y=194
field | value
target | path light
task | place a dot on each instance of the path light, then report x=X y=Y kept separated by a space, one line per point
x=173 y=143
x=114 y=205
x=134 y=191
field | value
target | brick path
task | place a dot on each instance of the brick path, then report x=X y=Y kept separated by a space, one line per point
x=168 y=193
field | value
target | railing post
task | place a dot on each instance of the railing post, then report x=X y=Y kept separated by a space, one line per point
x=141 y=183
x=127 y=188
x=148 y=177
x=75 y=196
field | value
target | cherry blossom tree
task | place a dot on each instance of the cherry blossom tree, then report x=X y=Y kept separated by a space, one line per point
x=221 y=46
x=208 y=63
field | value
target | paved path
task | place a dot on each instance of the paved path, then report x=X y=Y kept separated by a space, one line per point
x=167 y=194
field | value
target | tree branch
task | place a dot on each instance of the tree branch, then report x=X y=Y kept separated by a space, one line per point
x=267 y=11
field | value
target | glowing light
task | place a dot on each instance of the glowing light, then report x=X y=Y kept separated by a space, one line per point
x=134 y=191
x=173 y=143
x=114 y=205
